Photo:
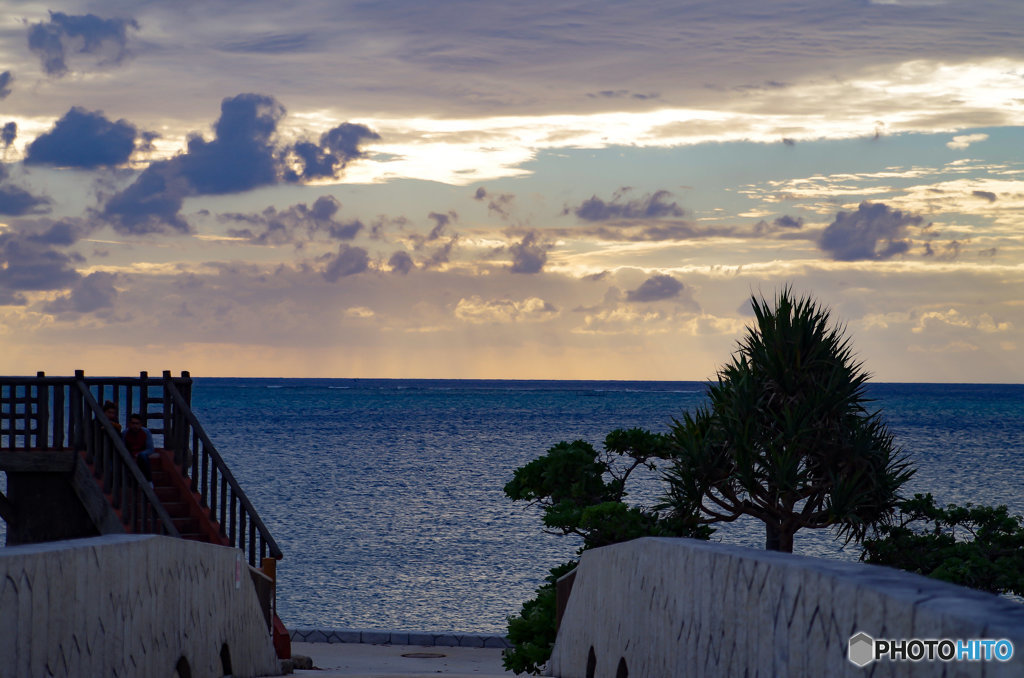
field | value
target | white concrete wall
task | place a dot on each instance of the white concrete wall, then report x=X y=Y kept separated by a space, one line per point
x=682 y=607
x=127 y=606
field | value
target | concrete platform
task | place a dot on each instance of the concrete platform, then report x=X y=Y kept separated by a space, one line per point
x=333 y=660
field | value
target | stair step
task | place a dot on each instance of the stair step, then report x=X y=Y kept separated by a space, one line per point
x=175 y=509
x=186 y=525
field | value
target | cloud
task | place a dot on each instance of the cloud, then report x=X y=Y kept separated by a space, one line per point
x=984 y=195
x=401 y=262
x=273 y=43
x=30 y=260
x=336 y=149
x=16 y=201
x=964 y=140
x=89 y=34
x=441 y=255
x=439 y=230
x=83 y=139
x=783 y=223
x=6 y=78
x=651 y=206
x=660 y=232
x=499 y=204
x=8 y=133
x=94 y=292
x=441 y=222
x=874 y=231
x=349 y=261
x=241 y=156
x=656 y=288
x=950 y=251
x=622 y=94
x=297 y=224
x=529 y=255
x=786 y=221
x=476 y=310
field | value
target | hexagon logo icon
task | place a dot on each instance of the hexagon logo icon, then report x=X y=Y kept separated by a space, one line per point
x=862 y=649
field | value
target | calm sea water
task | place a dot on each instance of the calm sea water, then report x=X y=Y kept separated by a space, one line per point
x=386 y=495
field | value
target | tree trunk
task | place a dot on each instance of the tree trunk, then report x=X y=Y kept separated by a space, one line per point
x=777 y=539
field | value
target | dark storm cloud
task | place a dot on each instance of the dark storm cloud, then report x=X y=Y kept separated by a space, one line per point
x=242 y=155
x=652 y=206
x=874 y=231
x=5 y=84
x=336 y=149
x=83 y=139
x=401 y=262
x=16 y=201
x=529 y=255
x=984 y=195
x=297 y=224
x=349 y=261
x=94 y=292
x=656 y=288
x=89 y=34
x=9 y=133
x=273 y=43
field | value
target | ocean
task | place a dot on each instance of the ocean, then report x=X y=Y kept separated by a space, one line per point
x=386 y=495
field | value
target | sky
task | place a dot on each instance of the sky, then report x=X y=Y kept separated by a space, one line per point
x=537 y=190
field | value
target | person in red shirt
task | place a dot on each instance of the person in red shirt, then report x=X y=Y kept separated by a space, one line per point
x=139 y=442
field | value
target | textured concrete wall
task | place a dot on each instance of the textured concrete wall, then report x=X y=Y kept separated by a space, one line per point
x=129 y=605
x=680 y=607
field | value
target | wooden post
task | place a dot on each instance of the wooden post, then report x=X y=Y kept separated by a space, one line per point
x=269 y=567
x=169 y=438
x=186 y=387
x=76 y=427
x=42 y=413
x=143 y=395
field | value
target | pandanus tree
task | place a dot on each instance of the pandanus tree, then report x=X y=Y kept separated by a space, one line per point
x=786 y=435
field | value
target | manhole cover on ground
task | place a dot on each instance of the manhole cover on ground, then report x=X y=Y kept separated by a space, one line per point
x=423 y=655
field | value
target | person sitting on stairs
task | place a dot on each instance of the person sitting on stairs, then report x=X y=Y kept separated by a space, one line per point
x=110 y=411
x=139 y=442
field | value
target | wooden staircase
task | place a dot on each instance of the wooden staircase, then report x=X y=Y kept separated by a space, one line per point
x=59 y=422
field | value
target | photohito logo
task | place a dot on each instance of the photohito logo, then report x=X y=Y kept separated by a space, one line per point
x=864 y=649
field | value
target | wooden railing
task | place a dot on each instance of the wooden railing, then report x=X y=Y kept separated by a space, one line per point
x=214 y=482
x=56 y=413
x=115 y=468
x=61 y=413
